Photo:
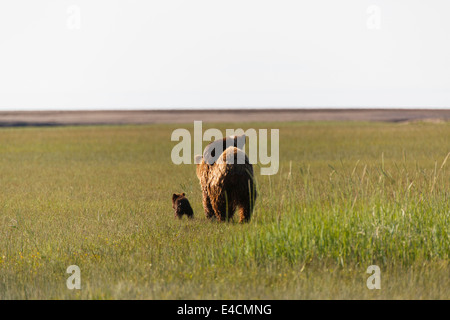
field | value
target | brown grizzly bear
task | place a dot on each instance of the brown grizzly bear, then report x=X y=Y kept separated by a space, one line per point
x=181 y=205
x=227 y=185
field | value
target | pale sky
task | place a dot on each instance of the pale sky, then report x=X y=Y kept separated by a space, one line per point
x=157 y=54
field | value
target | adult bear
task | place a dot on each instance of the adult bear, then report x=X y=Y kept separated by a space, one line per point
x=227 y=184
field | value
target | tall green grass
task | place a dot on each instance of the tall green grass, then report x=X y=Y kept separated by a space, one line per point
x=348 y=195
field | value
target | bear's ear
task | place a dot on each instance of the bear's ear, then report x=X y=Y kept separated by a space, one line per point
x=183 y=194
x=174 y=197
x=198 y=159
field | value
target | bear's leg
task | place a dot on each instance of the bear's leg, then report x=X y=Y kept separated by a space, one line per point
x=229 y=211
x=209 y=212
x=219 y=209
x=247 y=203
x=224 y=207
x=230 y=208
x=224 y=213
x=190 y=213
x=245 y=213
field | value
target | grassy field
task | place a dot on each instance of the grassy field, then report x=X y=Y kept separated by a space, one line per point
x=348 y=195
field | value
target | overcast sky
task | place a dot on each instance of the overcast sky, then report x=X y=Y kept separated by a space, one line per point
x=136 y=54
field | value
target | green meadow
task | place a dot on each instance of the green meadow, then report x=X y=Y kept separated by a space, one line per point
x=347 y=195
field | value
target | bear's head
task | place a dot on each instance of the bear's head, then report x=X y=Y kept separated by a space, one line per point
x=177 y=196
x=213 y=150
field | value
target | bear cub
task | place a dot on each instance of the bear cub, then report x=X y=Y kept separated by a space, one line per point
x=181 y=206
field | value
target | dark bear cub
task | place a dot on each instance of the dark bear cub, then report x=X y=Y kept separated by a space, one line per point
x=181 y=205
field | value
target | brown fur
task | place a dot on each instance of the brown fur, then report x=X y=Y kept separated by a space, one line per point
x=227 y=186
x=181 y=205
